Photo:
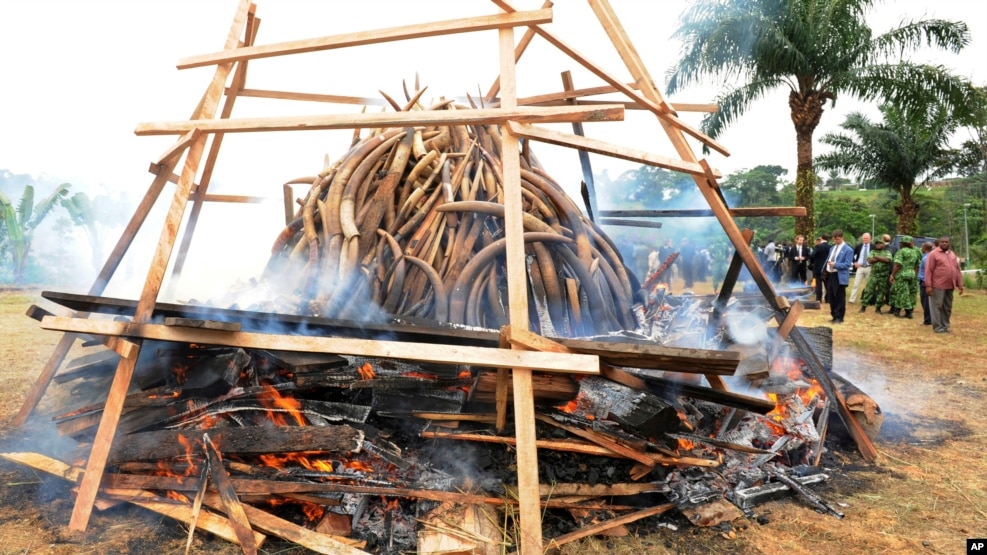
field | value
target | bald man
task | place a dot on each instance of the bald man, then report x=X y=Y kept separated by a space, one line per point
x=860 y=255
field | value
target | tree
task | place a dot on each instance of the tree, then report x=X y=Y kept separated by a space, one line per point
x=95 y=216
x=758 y=187
x=818 y=50
x=904 y=150
x=19 y=224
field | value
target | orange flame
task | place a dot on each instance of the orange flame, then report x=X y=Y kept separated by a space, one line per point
x=358 y=466
x=569 y=407
x=274 y=400
x=686 y=444
x=366 y=371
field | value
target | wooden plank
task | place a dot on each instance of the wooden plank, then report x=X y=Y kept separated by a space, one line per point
x=573 y=446
x=209 y=522
x=254 y=440
x=426 y=118
x=199 y=192
x=735 y=212
x=309 y=539
x=391 y=34
x=199 y=323
x=562 y=98
x=658 y=357
x=230 y=502
x=89 y=486
x=525 y=339
x=602 y=147
x=522 y=45
x=234 y=199
x=602 y=441
x=629 y=223
x=660 y=109
x=577 y=128
x=450 y=354
x=517 y=295
x=674 y=128
x=619 y=352
x=594 y=529
x=312 y=97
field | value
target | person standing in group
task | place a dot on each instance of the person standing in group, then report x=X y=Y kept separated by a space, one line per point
x=667 y=250
x=888 y=246
x=942 y=276
x=875 y=292
x=799 y=255
x=687 y=254
x=837 y=275
x=923 y=296
x=818 y=257
x=904 y=278
x=860 y=255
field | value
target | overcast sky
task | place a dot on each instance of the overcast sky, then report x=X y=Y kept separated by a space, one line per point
x=80 y=75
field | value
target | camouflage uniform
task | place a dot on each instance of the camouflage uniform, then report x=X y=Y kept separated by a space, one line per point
x=904 y=290
x=877 y=286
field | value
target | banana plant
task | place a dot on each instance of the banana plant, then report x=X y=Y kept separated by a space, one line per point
x=83 y=212
x=19 y=224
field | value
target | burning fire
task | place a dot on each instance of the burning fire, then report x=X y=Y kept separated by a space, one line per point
x=278 y=404
x=366 y=371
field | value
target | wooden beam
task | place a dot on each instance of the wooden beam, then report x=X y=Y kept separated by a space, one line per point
x=660 y=109
x=561 y=98
x=448 y=354
x=785 y=328
x=426 y=118
x=209 y=522
x=587 y=531
x=346 y=40
x=517 y=295
x=577 y=129
x=311 y=97
x=234 y=199
x=697 y=213
x=89 y=486
x=602 y=147
x=629 y=223
x=199 y=192
x=522 y=45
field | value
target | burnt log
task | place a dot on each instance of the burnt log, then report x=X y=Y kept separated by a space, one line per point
x=167 y=444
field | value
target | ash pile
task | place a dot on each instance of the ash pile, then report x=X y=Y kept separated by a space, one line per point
x=403 y=238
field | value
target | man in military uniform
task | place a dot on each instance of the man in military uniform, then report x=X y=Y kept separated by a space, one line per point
x=875 y=291
x=904 y=278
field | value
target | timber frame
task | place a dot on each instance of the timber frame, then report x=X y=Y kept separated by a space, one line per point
x=520 y=117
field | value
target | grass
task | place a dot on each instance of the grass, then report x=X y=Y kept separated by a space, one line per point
x=926 y=494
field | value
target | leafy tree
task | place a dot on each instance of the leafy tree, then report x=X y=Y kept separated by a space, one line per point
x=818 y=50
x=650 y=187
x=93 y=216
x=897 y=153
x=973 y=153
x=18 y=225
x=758 y=187
x=841 y=211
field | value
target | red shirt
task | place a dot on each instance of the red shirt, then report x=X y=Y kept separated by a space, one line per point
x=942 y=270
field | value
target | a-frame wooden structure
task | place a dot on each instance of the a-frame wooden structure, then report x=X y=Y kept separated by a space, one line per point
x=520 y=120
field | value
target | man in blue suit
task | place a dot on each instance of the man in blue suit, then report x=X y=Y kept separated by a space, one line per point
x=837 y=275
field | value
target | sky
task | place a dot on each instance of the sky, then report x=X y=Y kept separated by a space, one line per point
x=80 y=75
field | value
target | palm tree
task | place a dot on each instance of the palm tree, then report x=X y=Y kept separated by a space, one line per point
x=904 y=150
x=18 y=225
x=818 y=50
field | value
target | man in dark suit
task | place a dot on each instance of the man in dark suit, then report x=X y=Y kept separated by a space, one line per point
x=798 y=254
x=818 y=258
x=837 y=275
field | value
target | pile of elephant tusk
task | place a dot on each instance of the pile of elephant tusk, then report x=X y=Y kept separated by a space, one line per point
x=410 y=223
